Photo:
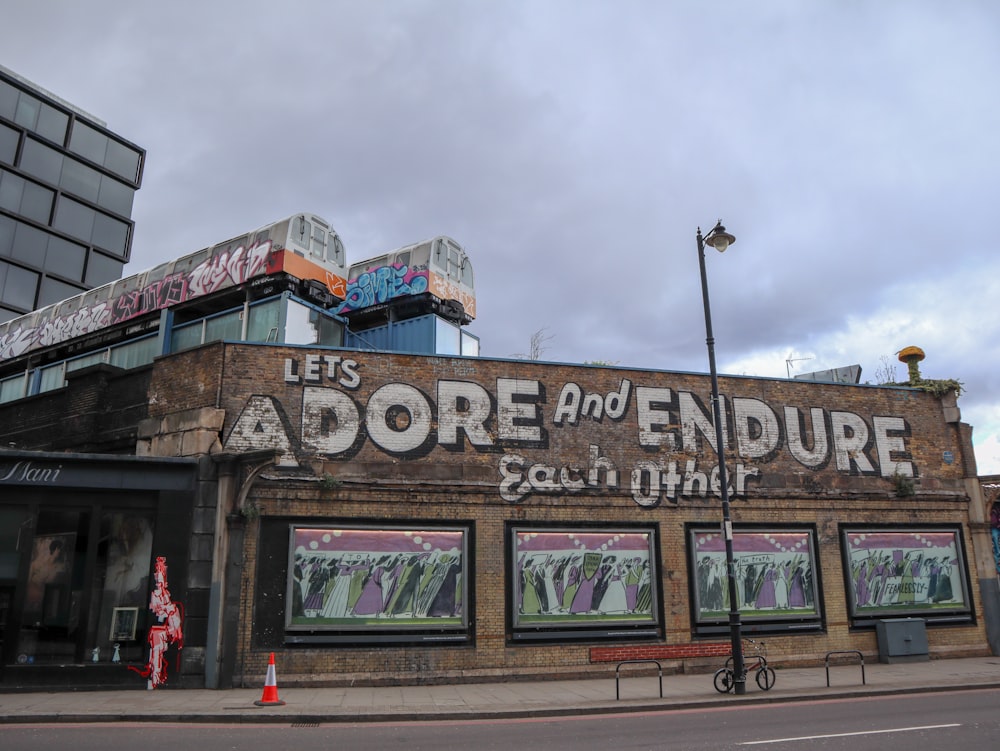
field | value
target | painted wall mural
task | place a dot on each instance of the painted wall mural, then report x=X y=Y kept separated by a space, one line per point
x=775 y=569
x=582 y=577
x=372 y=578
x=341 y=413
x=904 y=571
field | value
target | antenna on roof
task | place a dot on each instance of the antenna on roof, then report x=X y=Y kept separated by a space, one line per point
x=789 y=360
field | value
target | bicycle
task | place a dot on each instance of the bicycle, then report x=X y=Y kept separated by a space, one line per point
x=725 y=677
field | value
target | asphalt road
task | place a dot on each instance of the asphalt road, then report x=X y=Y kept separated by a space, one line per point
x=914 y=722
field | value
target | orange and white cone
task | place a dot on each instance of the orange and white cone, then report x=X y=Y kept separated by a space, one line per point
x=270 y=697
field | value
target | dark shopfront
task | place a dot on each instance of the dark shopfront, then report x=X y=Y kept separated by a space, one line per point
x=79 y=534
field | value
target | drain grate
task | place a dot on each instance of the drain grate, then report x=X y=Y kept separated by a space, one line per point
x=305 y=724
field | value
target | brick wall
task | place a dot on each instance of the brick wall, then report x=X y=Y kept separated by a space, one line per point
x=268 y=394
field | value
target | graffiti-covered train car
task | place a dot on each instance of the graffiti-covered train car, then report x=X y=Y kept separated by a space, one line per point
x=433 y=276
x=303 y=246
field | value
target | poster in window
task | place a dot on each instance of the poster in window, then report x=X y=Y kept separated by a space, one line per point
x=377 y=578
x=904 y=571
x=47 y=596
x=775 y=572
x=582 y=578
x=123 y=623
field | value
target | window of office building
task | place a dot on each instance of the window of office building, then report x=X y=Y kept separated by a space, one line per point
x=101 y=269
x=77 y=178
x=54 y=291
x=25 y=197
x=18 y=286
x=8 y=144
x=107 y=152
x=65 y=258
x=91 y=226
x=29 y=245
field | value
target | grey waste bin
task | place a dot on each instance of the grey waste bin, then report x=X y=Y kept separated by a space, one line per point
x=902 y=640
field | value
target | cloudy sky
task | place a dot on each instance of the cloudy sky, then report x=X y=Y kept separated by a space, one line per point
x=573 y=147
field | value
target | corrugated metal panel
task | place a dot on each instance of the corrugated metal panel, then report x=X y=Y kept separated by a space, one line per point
x=415 y=335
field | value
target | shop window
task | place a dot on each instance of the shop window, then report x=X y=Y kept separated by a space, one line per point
x=776 y=576
x=52 y=616
x=70 y=615
x=121 y=594
x=582 y=583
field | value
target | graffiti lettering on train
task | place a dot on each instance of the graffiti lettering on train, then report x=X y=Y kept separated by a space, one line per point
x=221 y=269
x=672 y=428
x=379 y=285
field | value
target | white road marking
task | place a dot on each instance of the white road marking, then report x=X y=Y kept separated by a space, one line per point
x=845 y=735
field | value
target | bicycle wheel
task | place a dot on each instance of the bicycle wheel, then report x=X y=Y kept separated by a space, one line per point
x=765 y=678
x=723 y=680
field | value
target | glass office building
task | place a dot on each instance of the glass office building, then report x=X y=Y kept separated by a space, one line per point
x=66 y=189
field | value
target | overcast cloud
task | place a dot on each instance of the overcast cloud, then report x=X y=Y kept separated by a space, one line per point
x=574 y=147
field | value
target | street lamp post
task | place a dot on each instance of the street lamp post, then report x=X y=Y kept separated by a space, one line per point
x=719 y=239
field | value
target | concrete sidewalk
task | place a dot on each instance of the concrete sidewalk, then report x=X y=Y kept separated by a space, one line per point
x=491 y=700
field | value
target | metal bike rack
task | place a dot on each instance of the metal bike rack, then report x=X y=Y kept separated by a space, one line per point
x=659 y=669
x=845 y=652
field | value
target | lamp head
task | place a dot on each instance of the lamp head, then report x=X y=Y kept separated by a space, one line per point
x=719 y=239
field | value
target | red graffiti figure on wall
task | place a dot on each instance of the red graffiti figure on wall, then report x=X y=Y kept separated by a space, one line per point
x=167 y=631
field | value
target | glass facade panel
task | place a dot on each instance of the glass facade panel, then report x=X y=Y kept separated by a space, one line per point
x=448 y=338
x=115 y=196
x=109 y=233
x=225 y=326
x=12 y=388
x=40 y=161
x=65 y=258
x=123 y=161
x=80 y=180
x=74 y=219
x=36 y=203
x=19 y=286
x=88 y=142
x=52 y=377
x=7 y=227
x=263 y=325
x=53 y=291
x=8 y=100
x=11 y=187
x=52 y=124
x=26 y=113
x=101 y=269
x=186 y=337
x=29 y=245
x=136 y=353
x=94 y=358
x=8 y=144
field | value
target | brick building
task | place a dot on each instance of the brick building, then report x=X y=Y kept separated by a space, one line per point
x=408 y=518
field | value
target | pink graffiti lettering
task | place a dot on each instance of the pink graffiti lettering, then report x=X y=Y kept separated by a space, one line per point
x=152 y=297
x=229 y=268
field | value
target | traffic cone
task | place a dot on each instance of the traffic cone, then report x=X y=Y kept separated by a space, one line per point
x=270 y=697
